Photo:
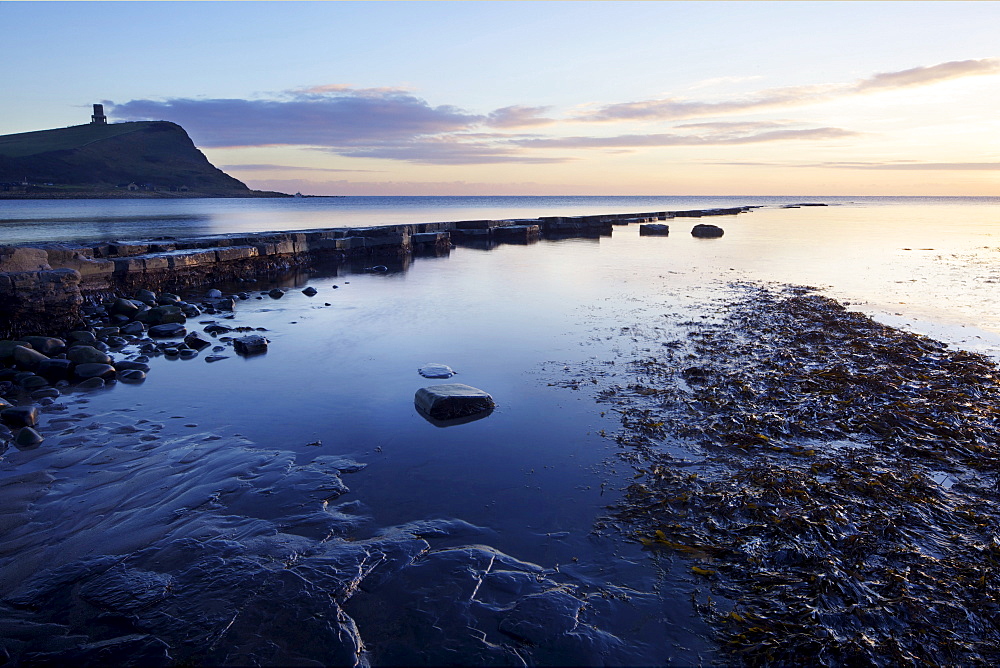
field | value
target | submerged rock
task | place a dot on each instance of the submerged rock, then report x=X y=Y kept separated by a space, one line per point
x=452 y=401
x=434 y=370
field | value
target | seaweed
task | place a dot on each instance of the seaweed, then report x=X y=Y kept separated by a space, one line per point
x=840 y=500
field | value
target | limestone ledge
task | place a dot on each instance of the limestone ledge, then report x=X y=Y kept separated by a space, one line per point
x=45 y=283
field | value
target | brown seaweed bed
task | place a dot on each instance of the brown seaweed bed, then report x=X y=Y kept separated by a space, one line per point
x=832 y=481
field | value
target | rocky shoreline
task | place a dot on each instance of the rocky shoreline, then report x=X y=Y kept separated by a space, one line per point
x=113 y=342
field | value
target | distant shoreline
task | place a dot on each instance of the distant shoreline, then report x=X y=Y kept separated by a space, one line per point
x=83 y=194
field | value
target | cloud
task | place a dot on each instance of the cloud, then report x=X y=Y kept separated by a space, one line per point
x=725 y=127
x=919 y=166
x=385 y=188
x=908 y=165
x=448 y=150
x=292 y=168
x=336 y=117
x=347 y=88
x=659 y=140
x=386 y=123
x=923 y=76
x=677 y=109
x=519 y=117
x=668 y=109
x=390 y=123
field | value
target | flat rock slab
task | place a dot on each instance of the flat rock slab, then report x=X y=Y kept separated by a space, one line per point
x=452 y=401
x=654 y=230
x=167 y=330
x=436 y=371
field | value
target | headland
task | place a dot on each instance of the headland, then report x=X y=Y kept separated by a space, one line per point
x=100 y=160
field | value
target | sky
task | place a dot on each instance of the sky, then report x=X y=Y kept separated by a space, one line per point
x=534 y=98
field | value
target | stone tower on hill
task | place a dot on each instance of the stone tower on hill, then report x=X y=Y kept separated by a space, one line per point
x=98 y=118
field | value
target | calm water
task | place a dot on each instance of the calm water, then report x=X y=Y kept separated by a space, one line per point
x=927 y=263
x=87 y=220
x=207 y=509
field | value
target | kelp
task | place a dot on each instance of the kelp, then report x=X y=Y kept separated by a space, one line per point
x=840 y=493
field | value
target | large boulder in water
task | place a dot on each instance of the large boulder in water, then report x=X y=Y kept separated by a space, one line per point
x=452 y=401
x=704 y=231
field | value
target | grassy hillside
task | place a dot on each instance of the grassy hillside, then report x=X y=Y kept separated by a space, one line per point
x=104 y=157
x=63 y=139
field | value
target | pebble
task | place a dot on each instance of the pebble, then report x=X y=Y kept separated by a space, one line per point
x=85 y=354
x=94 y=370
x=167 y=330
x=253 y=344
x=92 y=384
x=45 y=392
x=20 y=416
x=28 y=438
x=132 y=376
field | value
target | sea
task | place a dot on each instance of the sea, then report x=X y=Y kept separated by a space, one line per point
x=928 y=263
x=295 y=508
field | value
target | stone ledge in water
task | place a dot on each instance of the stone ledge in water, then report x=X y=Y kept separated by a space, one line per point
x=654 y=230
x=435 y=370
x=452 y=401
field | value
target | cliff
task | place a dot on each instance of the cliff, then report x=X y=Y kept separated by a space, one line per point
x=157 y=158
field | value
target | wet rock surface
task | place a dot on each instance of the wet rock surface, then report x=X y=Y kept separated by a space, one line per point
x=705 y=231
x=435 y=370
x=452 y=401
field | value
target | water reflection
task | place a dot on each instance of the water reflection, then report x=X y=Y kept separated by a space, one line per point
x=294 y=507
